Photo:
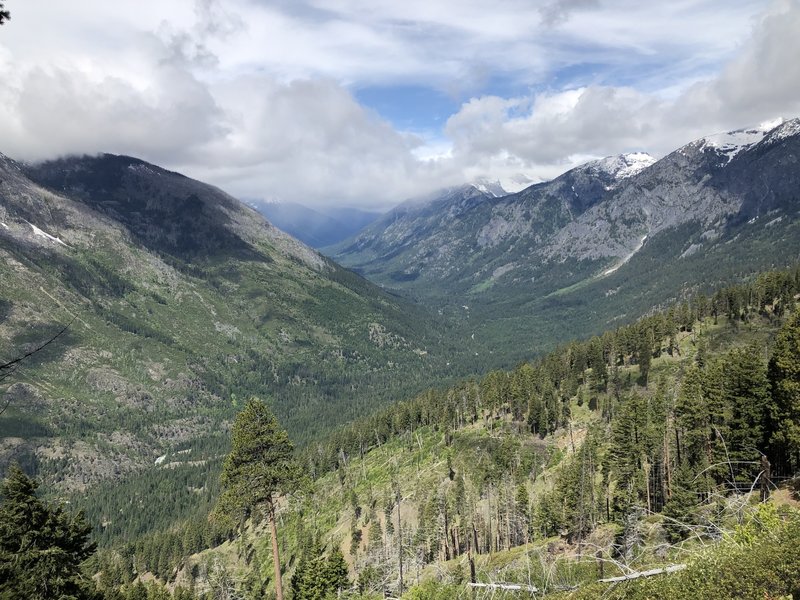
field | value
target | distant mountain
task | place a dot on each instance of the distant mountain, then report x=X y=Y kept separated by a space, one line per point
x=316 y=227
x=602 y=243
x=487 y=186
x=183 y=302
x=416 y=235
x=460 y=231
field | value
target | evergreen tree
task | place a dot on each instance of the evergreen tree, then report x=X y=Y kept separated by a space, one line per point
x=783 y=428
x=259 y=469
x=747 y=399
x=41 y=547
x=644 y=354
x=138 y=591
x=523 y=514
x=693 y=419
x=318 y=578
x=678 y=511
x=336 y=573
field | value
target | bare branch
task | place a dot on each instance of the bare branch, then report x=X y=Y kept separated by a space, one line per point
x=9 y=368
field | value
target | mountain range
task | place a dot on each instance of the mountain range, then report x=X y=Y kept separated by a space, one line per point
x=181 y=301
x=603 y=242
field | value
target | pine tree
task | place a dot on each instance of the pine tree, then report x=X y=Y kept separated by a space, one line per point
x=677 y=512
x=306 y=581
x=259 y=469
x=693 y=418
x=783 y=428
x=747 y=399
x=644 y=354
x=41 y=547
x=523 y=514
x=137 y=591
x=336 y=573
x=318 y=578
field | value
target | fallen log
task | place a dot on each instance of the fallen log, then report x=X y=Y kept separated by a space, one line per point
x=649 y=573
x=505 y=586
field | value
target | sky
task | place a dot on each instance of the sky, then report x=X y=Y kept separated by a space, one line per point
x=365 y=103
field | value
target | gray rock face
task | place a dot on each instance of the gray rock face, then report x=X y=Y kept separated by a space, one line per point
x=603 y=211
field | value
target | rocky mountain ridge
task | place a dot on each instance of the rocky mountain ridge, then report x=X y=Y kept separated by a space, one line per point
x=590 y=249
x=601 y=211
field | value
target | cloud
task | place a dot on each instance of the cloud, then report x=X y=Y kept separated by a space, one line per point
x=259 y=96
x=546 y=132
x=309 y=140
x=559 y=11
x=53 y=110
x=761 y=82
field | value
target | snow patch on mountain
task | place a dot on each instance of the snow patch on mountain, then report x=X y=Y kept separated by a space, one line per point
x=623 y=166
x=771 y=124
x=491 y=188
x=44 y=234
x=784 y=129
x=731 y=143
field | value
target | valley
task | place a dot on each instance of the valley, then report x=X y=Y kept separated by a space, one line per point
x=595 y=247
x=179 y=300
x=347 y=300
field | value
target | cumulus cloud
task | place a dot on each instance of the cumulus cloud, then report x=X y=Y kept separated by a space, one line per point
x=549 y=131
x=310 y=139
x=258 y=96
x=761 y=82
x=57 y=111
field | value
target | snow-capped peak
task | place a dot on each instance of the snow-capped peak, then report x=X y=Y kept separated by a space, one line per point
x=771 y=124
x=783 y=130
x=730 y=143
x=623 y=166
x=492 y=188
x=634 y=163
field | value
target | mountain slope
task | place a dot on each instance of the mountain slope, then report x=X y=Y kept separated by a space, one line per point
x=462 y=232
x=421 y=237
x=604 y=242
x=181 y=302
x=528 y=476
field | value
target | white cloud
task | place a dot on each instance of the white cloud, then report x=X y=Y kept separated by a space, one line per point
x=310 y=140
x=547 y=132
x=256 y=96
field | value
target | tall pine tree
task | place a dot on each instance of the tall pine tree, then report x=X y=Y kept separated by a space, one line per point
x=259 y=469
x=783 y=427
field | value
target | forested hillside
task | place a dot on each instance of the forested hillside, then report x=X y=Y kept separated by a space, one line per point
x=596 y=247
x=175 y=291
x=177 y=302
x=640 y=448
